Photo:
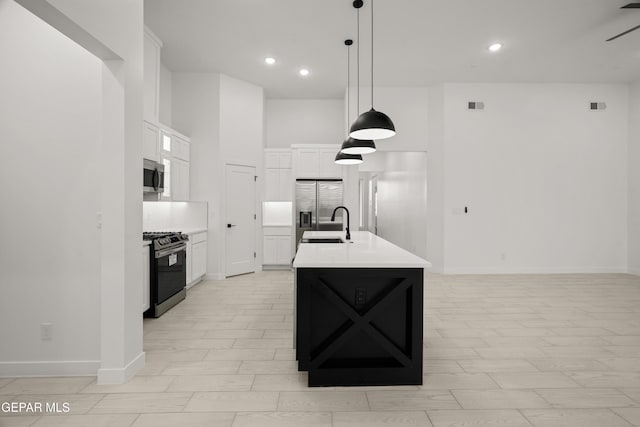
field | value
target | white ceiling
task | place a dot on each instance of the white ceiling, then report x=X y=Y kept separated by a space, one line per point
x=417 y=42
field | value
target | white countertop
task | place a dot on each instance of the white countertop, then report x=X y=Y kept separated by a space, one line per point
x=365 y=250
x=193 y=230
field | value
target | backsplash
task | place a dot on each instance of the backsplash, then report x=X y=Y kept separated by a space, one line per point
x=174 y=216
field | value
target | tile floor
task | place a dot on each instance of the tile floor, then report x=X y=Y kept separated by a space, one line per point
x=544 y=350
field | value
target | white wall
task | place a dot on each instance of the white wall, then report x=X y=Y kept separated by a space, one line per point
x=224 y=118
x=174 y=216
x=408 y=109
x=242 y=142
x=402 y=198
x=304 y=121
x=435 y=179
x=241 y=121
x=165 y=102
x=196 y=112
x=544 y=178
x=111 y=30
x=50 y=258
x=634 y=179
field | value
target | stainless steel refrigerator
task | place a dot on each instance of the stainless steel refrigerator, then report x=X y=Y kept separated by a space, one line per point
x=315 y=201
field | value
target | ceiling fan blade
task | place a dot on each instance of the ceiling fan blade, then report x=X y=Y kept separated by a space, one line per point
x=631 y=6
x=623 y=33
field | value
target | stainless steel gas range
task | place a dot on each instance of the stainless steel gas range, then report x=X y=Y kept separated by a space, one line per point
x=168 y=271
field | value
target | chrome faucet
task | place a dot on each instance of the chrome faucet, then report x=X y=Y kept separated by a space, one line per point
x=333 y=218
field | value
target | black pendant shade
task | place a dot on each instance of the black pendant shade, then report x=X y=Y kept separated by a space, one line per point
x=372 y=125
x=357 y=146
x=348 y=159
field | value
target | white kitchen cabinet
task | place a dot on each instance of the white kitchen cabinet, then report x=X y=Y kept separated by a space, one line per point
x=271 y=184
x=173 y=151
x=180 y=148
x=151 y=65
x=285 y=185
x=278 y=185
x=179 y=180
x=278 y=175
x=167 y=162
x=271 y=160
x=166 y=142
x=196 y=258
x=307 y=163
x=327 y=166
x=146 y=278
x=276 y=248
x=176 y=179
x=150 y=142
x=277 y=158
x=284 y=159
x=283 y=250
x=269 y=250
x=199 y=264
x=316 y=163
x=189 y=253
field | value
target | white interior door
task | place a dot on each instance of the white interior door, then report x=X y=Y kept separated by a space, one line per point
x=241 y=222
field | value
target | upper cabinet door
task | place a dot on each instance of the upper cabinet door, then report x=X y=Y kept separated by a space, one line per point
x=272 y=160
x=285 y=185
x=284 y=159
x=150 y=142
x=180 y=180
x=307 y=163
x=327 y=165
x=180 y=148
x=271 y=184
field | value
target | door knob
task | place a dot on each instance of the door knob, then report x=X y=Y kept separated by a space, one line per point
x=231 y=225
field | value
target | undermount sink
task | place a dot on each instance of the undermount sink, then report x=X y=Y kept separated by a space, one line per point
x=322 y=240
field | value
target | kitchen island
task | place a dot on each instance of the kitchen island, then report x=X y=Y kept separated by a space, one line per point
x=358 y=311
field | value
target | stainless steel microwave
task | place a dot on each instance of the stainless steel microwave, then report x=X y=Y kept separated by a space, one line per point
x=153 y=180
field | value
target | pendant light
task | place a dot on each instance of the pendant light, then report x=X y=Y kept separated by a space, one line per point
x=351 y=145
x=372 y=124
x=348 y=159
x=343 y=158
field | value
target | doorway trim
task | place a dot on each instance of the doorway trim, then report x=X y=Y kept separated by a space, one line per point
x=257 y=266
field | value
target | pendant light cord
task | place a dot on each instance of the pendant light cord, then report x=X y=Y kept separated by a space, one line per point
x=372 y=54
x=348 y=87
x=358 y=70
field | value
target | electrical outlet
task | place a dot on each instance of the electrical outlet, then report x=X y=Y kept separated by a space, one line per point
x=361 y=296
x=46 y=331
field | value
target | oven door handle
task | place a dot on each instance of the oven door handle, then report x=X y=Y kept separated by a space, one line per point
x=160 y=254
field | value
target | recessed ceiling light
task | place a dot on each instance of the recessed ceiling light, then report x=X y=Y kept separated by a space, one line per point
x=495 y=47
x=303 y=72
x=269 y=60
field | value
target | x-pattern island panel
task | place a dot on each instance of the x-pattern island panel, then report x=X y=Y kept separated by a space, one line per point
x=359 y=311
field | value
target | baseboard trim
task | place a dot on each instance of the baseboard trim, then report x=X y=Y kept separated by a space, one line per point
x=121 y=375
x=568 y=270
x=65 y=368
x=276 y=267
x=634 y=271
x=218 y=276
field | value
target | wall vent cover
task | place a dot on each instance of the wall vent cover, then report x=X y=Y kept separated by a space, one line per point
x=475 y=105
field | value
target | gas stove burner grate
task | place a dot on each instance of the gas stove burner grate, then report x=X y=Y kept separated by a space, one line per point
x=152 y=235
